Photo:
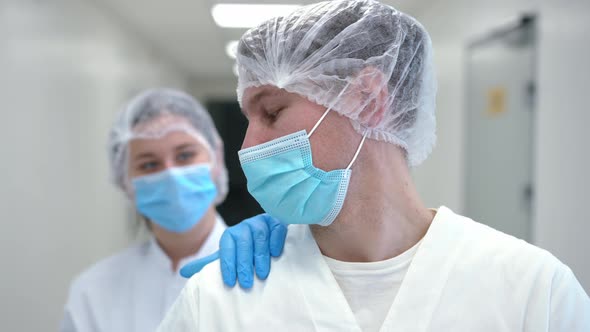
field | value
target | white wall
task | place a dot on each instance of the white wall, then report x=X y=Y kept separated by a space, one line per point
x=562 y=159
x=563 y=143
x=215 y=88
x=65 y=69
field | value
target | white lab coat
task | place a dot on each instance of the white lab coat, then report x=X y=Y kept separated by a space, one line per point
x=464 y=277
x=130 y=291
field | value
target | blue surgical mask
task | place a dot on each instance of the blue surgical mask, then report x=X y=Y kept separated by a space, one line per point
x=175 y=199
x=282 y=178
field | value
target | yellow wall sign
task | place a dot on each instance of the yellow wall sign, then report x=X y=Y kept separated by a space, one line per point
x=496 y=101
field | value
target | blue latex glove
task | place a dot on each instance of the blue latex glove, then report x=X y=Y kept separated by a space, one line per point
x=243 y=249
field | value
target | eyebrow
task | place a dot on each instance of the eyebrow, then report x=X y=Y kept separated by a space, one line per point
x=149 y=155
x=261 y=94
x=185 y=145
x=144 y=155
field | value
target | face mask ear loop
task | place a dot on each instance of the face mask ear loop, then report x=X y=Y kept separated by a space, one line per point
x=357 y=152
x=328 y=110
x=318 y=123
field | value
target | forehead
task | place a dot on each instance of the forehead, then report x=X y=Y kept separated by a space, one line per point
x=168 y=142
x=161 y=125
x=253 y=95
x=269 y=94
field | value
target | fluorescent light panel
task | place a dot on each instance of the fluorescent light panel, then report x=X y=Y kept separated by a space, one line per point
x=231 y=49
x=234 y=69
x=247 y=15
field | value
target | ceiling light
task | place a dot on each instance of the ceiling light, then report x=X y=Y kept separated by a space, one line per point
x=235 y=70
x=231 y=49
x=247 y=15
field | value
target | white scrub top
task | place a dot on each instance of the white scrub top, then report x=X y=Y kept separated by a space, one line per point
x=130 y=291
x=370 y=305
x=464 y=276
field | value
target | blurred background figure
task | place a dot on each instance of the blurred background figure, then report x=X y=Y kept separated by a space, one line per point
x=511 y=110
x=167 y=158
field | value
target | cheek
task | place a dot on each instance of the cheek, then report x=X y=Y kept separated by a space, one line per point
x=129 y=192
x=297 y=119
x=323 y=152
x=334 y=143
x=291 y=121
x=128 y=178
x=215 y=172
x=203 y=158
x=131 y=173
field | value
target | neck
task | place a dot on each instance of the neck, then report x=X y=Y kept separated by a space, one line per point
x=180 y=245
x=382 y=215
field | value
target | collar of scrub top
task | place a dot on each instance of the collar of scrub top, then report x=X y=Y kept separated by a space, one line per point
x=210 y=245
x=417 y=294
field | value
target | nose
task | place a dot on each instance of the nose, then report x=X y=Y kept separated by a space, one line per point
x=169 y=163
x=252 y=137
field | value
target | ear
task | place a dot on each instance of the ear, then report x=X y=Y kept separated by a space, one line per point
x=372 y=89
x=128 y=189
x=219 y=160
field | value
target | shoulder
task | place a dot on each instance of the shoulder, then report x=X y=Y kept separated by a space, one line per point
x=505 y=257
x=207 y=285
x=210 y=276
x=186 y=314
x=106 y=273
x=548 y=287
x=497 y=246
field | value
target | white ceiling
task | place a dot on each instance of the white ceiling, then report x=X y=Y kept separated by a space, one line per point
x=184 y=31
